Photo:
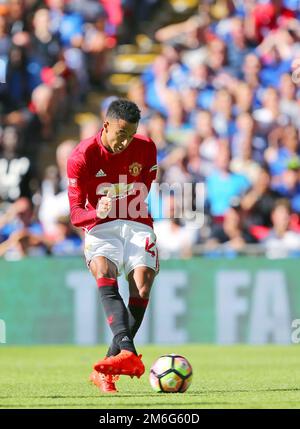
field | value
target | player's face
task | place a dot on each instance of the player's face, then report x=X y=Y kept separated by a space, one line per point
x=118 y=134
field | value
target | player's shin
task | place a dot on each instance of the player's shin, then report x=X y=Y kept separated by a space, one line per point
x=113 y=349
x=136 y=311
x=116 y=313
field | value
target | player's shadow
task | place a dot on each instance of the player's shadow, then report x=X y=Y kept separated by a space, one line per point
x=154 y=395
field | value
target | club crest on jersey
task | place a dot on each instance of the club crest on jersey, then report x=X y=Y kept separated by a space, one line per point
x=135 y=168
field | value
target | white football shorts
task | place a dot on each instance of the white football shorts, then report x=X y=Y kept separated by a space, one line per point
x=126 y=243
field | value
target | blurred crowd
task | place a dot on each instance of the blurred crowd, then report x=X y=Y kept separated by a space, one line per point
x=219 y=102
x=51 y=53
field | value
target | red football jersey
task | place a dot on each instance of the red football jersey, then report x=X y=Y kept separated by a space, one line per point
x=94 y=172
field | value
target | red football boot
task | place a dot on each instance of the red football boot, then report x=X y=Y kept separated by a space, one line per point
x=125 y=363
x=106 y=383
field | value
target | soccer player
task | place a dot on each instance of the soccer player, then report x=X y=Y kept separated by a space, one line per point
x=109 y=177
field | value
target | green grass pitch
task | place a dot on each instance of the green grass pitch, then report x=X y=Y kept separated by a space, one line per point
x=224 y=377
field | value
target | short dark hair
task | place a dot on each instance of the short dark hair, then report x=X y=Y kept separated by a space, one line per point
x=124 y=109
x=283 y=202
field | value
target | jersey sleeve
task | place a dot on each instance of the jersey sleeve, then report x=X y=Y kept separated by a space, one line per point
x=150 y=169
x=77 y=192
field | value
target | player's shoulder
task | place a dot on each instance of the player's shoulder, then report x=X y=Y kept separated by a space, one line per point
x=143 y=142
x=85 y=148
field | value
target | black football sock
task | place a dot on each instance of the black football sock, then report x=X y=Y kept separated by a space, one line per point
x=136 y=310
x=116 y=313
x=113 y=349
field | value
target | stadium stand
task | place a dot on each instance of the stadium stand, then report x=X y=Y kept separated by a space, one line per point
x=213 y=81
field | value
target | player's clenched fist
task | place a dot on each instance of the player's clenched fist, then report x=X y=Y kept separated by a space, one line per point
x=104 y=206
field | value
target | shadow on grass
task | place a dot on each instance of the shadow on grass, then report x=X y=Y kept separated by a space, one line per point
x=153 y=395
x=160 y=404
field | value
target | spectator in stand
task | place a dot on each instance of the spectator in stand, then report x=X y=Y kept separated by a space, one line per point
x=67 y=241
x=137 y=94
x=199 y=79
x=222 y=109
x=218 y=101
x=237 y=45
x=177 y=129
x=193 y=160
x=268 y=116
x=244 y=98
x=289 y=186
x=276 y=53
x=282 y=242
x=247 y=129
x=54 y=198
x=68 y=26
x=232 y=234
x=97 y=43
x=44 y=47
x=5 y=45
x=209 y=142
x=259 y=201
x=157 y=132
x=105 y=104
x=174 y=240
x=244 y=163
x=189 y=100
x=156 y=79
x=288 y=103
x=16 y=92
x=43 y=106
x=21 y=233
x=175 y=168
x=17 y=16
x=5 y=42
x=285 y=148
x=223 y=185
x=189 y=32
x=15 y=170
x=251 y=73
x=89 y=125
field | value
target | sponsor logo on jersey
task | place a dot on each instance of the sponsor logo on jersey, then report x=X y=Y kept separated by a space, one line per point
x=116 y=190
x=135 y=168
x=154 y=167
x=100 y=173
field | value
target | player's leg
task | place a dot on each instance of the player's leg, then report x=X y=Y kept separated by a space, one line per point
x=104 y=269
x=126 y=362
x=104 y=255
x=141 y=267
x=140 y=282
x=105 y=273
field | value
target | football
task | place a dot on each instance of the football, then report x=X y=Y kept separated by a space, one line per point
x=170 y=374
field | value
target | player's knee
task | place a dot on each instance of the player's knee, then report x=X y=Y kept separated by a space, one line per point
x=105 y=275
x=144 y=292
x=102 y=268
